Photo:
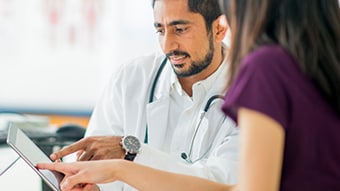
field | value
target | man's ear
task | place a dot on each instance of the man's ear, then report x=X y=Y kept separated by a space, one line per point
x=220 y=27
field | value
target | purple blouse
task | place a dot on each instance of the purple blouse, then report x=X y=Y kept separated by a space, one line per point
x=271 y=82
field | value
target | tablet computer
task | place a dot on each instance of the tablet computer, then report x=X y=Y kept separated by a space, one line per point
x=32 y=155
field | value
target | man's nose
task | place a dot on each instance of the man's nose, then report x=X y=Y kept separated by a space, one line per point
x=169 y=42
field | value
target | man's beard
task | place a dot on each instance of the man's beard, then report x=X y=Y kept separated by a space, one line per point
x=198 y=66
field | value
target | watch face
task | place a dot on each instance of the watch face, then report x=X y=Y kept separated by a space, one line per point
x=131 y=144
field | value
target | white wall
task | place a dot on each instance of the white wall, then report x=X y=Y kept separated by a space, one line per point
x=62 y=63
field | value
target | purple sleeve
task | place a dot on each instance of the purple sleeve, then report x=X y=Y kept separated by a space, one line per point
x=260 y=85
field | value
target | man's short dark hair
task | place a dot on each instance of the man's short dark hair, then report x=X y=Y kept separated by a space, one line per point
x=209 y=9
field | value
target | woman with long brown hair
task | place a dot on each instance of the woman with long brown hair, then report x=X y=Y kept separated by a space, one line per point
x=285 y=93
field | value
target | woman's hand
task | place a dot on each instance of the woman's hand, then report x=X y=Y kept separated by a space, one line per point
x=80 y=176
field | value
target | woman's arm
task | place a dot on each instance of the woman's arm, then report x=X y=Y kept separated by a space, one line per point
x=261 y=149
x=149 y=179
x=138 y=176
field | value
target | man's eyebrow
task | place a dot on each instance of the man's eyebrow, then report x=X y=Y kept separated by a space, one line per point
x=173 y=23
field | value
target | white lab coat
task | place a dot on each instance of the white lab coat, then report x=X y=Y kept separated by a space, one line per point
x=124 y=110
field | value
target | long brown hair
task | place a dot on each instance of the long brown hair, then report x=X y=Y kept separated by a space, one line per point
x=308 y=29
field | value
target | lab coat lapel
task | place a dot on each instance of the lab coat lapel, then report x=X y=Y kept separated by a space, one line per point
x=213 y=119
x=158 y=111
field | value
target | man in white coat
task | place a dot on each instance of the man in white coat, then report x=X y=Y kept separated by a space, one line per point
x=163 y=107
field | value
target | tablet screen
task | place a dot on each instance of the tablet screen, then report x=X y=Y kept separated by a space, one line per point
x=32 y=155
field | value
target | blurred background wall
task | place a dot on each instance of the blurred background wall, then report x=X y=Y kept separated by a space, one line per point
x=57 y=55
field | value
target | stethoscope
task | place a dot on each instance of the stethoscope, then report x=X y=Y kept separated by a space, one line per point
x=184 y=155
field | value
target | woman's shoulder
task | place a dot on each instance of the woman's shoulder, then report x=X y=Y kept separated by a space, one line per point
x=266 y=53
x=269 y=57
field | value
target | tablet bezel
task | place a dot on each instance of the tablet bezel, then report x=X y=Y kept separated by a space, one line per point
x=12 y=140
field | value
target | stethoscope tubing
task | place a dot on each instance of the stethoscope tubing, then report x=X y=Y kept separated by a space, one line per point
x=202 y=114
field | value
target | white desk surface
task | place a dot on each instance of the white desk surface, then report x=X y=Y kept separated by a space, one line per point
x=20 y=177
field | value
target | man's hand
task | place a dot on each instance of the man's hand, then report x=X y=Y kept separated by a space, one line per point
x=93 y=148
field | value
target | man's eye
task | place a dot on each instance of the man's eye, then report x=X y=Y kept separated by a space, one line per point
x=180 y=30
x=160 y=31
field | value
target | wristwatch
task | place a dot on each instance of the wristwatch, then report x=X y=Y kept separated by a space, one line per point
x=132 y=146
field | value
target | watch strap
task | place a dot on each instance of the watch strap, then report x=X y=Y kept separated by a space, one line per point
x=130 y=156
